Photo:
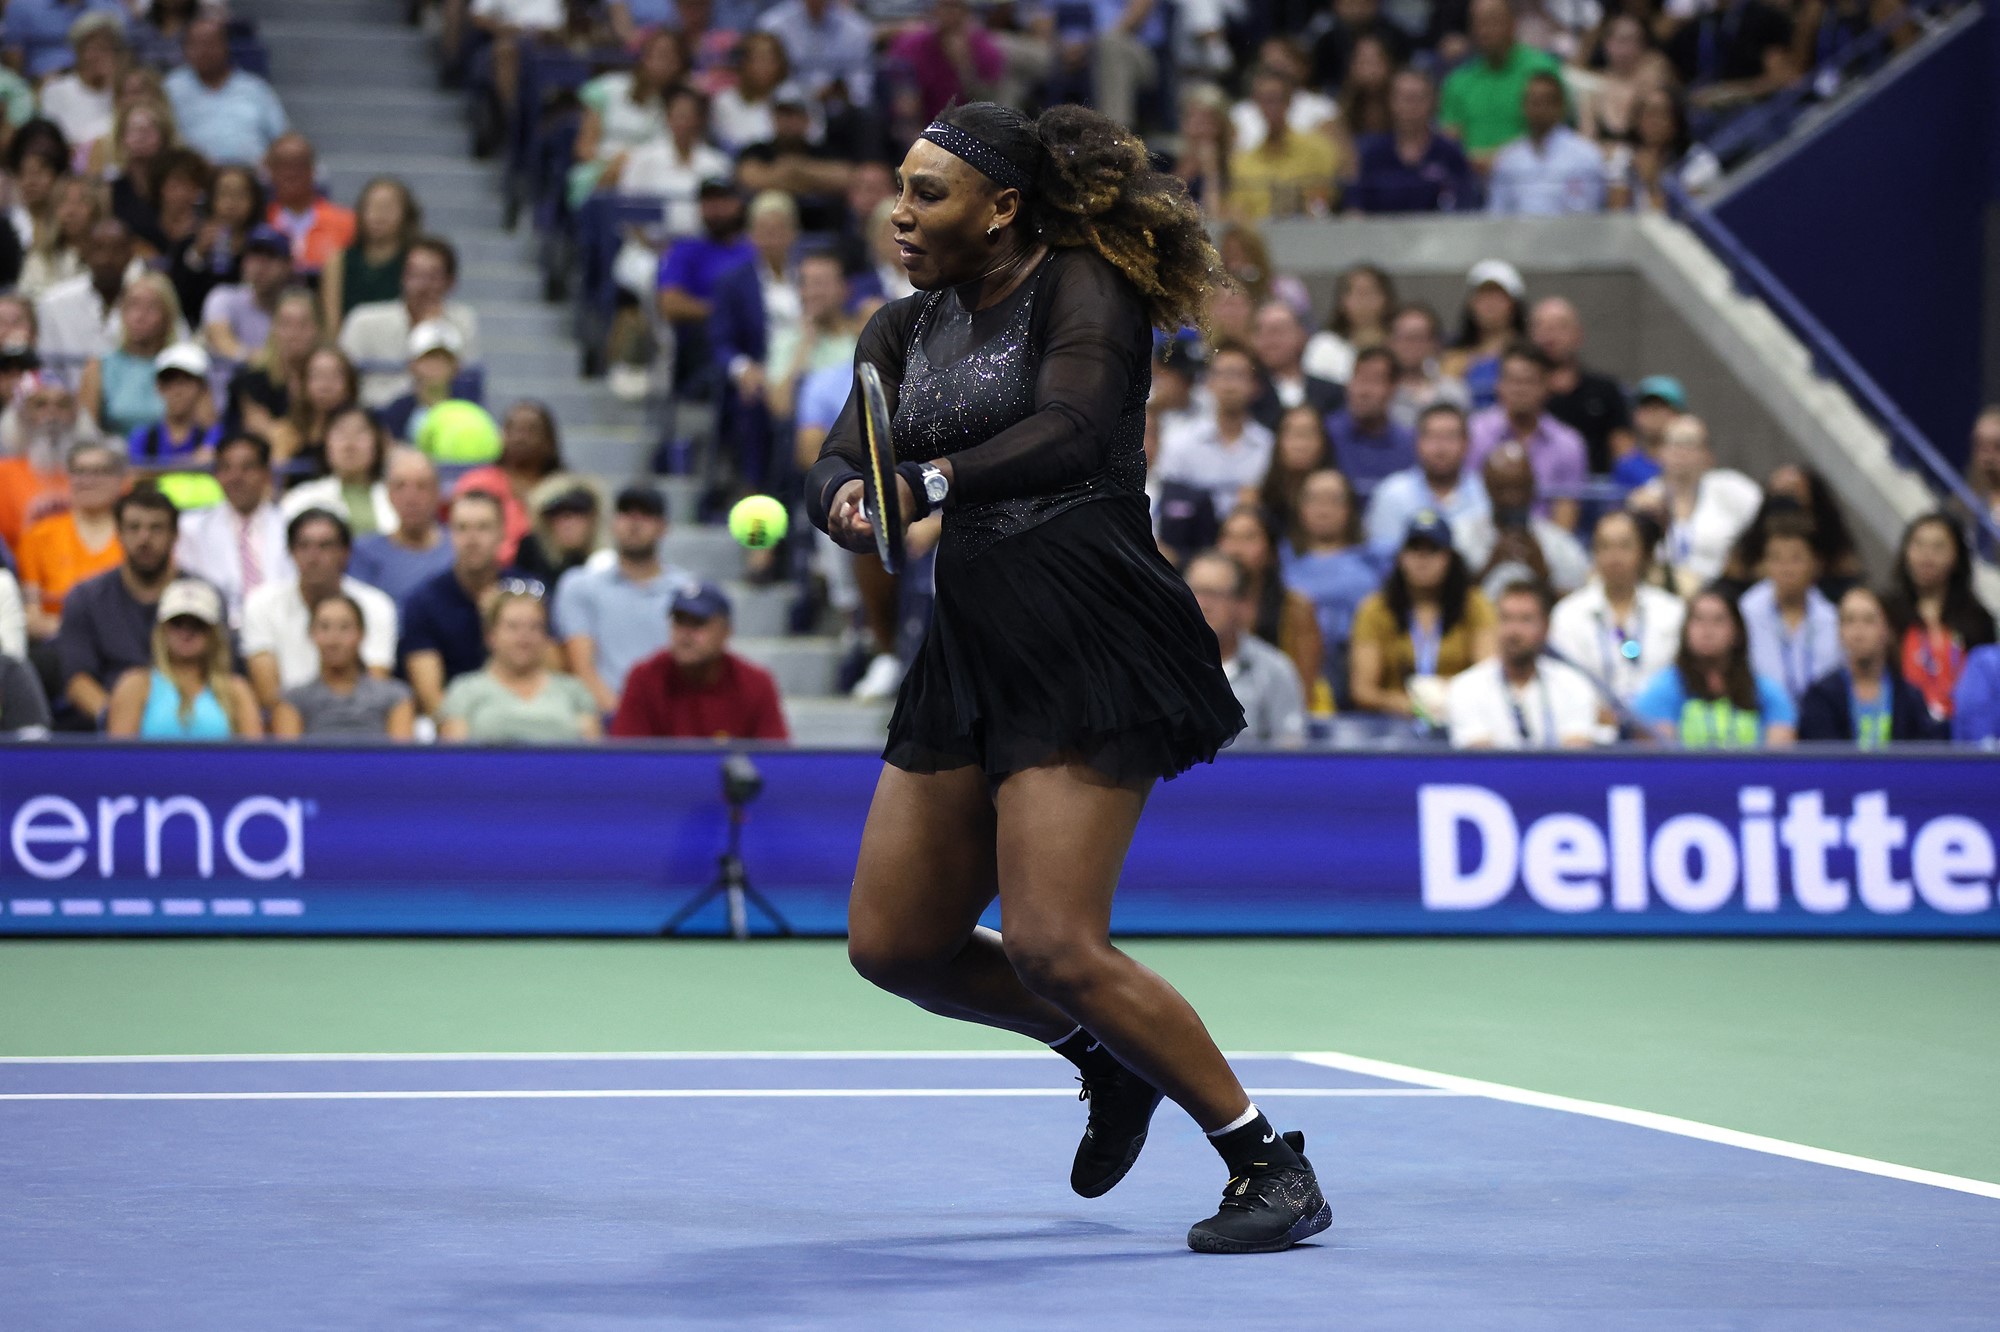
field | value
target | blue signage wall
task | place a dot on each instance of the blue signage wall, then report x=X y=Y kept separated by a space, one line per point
x=289 y=840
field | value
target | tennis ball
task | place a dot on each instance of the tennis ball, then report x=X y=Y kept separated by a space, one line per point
x=758 y=521
x=456 y=431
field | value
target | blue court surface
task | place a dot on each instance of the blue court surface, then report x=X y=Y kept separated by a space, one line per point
x=916 y=1192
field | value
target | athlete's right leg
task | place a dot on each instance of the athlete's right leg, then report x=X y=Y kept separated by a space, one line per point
x=925 y=874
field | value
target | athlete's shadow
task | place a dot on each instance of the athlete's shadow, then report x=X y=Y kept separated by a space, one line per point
x=840 y=1277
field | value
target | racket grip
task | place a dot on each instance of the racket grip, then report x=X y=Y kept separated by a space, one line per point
x=819 y=503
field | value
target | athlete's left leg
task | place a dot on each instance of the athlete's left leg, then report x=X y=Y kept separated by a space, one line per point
x=1063 y=831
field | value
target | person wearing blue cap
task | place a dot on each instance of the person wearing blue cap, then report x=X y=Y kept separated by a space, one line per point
x=1428 y=623
x=1657 y=402
x=236 y=317
x=698 y=689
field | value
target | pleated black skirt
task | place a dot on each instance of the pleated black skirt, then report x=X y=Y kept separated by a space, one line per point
x=1075 y=639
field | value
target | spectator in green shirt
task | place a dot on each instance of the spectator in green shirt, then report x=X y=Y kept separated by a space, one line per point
x=1481 y=100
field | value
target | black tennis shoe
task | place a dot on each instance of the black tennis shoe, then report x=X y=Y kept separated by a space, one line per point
x=1121 y=1111
x=1266 y=1210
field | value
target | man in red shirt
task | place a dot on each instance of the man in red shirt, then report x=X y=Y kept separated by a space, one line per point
x=697 y=689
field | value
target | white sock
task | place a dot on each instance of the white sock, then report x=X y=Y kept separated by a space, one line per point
x=1237 y=1122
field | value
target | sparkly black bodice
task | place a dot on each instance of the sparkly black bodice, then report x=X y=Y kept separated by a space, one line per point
x=1039 y=399
x=947 y=408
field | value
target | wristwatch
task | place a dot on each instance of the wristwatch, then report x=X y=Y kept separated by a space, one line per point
x=936 y=486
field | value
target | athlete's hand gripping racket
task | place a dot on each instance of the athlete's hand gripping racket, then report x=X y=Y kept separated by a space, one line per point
x=880 y=504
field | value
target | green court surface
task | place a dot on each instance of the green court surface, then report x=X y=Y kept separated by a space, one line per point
x=1888 y=1050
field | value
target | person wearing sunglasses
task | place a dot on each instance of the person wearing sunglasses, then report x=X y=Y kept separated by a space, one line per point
x=189 y=693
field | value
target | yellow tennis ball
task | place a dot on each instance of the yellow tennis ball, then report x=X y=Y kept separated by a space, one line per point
x=758 y=522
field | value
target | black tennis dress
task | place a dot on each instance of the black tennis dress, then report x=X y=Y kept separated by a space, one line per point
x=1059 y=628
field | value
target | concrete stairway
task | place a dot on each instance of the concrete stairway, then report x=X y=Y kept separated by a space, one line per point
x=362 y=86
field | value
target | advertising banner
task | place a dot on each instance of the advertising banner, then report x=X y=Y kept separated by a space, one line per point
x=103 y=839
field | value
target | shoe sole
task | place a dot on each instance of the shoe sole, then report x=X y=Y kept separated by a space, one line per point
x=1201 y=1241
x=1110 y=1181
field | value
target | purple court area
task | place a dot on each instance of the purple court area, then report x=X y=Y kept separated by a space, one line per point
x=903 y=1193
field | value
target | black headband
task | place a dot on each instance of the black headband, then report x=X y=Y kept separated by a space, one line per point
x=983 y=156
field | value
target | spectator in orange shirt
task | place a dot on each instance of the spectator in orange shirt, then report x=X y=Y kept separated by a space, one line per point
x=39 y=432
x=62 y=551
x=698 y=689
x=319 y=227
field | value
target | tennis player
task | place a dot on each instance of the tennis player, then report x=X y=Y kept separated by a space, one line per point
x=1067 y=667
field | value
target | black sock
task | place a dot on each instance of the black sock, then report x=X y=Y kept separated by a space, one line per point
x=1254 y=1148
x=1090 y=1057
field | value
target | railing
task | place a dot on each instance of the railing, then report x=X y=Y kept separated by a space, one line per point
x=1756 y=127
x=1831 y=360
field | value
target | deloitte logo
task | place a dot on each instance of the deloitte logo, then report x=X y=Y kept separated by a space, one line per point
x=1694 y=863
x=261 y=837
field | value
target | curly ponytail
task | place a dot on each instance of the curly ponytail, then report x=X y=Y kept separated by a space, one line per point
x=1094 y=185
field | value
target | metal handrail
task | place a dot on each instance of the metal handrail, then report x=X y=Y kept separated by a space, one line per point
x=1829 y=358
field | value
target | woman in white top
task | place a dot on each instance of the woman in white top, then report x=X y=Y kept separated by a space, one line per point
x=674 y=164
x=13 y=618
x=741 y=114
x=1618 y=629
x=625 y=108
x=80 y=101
x=1308 y=111
x=75 y=205
x=1363 y=299
x=1701 y=508
x=353 y=486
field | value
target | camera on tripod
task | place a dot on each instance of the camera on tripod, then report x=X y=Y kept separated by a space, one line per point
x=741 y=782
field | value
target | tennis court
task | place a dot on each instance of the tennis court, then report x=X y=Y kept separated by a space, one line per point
x=210 y=1174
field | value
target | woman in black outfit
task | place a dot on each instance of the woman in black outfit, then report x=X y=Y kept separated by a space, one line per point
x=1067 y=667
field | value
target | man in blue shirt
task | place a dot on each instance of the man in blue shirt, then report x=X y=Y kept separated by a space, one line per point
x=37 y=32
x=1551 y=169
x=419 y=549
x=442 y=634
x=226 y=114
x=1411 y=168
x=1439 y=482
x=1367 y=445
x=610 y=617
x=1975 y=702
x=826 y=41
x=689 y=272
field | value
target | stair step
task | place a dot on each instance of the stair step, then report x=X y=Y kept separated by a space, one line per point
x=804 y=667
x=434 y=168
x=706 y=552
x=363 y=86
x=836 y=721
x=759 y=612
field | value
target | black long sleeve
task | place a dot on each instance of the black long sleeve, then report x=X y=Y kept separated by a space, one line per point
x=1093 y=339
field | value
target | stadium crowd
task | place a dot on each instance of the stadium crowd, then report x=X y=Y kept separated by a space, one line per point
x=249 y=486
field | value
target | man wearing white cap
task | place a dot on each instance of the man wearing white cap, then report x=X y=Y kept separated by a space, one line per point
x=435 y=346
x=178 y=438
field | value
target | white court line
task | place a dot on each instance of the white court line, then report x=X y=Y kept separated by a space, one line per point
x=1647 y=1119
x=556 y=1056
x=667 y=1094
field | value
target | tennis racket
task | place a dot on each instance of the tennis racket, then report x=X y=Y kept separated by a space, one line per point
x=879 y=504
